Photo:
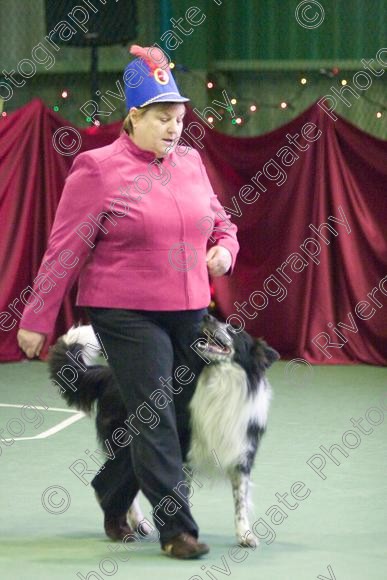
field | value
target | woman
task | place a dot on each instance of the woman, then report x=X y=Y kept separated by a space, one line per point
x=131 y=222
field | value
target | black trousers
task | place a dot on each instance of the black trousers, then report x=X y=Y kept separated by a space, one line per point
x=143 y=346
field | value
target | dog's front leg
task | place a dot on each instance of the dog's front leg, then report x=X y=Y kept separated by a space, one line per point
x=136 y=518
x=240 y=488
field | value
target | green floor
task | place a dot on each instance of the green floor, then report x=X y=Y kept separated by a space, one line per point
x=339 y=531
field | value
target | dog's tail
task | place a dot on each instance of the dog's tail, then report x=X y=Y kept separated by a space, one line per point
x=71 y=368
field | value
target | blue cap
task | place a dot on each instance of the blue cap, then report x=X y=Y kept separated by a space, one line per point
x=148 y=79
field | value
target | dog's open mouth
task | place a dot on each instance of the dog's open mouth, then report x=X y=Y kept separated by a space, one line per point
x=212 y=347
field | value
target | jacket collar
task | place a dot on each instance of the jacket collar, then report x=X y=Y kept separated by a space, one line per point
x=127 y=142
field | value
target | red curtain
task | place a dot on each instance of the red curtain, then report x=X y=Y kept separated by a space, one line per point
x=300 y=284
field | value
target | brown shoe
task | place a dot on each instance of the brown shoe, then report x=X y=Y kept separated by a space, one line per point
x=117 y=528
x=184 y=546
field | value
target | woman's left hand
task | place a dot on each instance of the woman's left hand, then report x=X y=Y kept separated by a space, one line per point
x=218 y=260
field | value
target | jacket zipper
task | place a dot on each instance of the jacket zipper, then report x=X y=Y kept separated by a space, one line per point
x=181 y=240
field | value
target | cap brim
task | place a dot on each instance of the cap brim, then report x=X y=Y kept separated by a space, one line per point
x=166 y=98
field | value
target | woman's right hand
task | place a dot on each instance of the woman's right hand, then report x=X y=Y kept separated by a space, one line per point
x=30 y=342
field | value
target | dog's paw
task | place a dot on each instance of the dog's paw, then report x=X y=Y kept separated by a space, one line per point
x=144 y=528
x=248 y=540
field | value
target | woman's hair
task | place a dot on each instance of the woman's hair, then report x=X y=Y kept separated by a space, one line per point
x=127 y=126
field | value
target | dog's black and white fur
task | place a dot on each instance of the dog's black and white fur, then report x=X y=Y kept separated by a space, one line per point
x=228 y=411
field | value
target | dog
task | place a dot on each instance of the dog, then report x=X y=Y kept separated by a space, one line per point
x=228 y=410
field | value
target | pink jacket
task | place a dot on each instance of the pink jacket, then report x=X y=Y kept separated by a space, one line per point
x=134 y=230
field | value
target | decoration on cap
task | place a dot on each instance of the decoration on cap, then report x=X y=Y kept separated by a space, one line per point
x=153 y=56
x=161 y=76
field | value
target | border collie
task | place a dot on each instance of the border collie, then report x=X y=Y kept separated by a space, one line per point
x=228 y=410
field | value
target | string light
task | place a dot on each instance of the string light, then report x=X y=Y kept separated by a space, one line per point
x=380 y=107
x=253 y=107
x=291 y=103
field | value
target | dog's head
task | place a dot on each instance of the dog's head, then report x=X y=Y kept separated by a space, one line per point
x=216 y=343
x=221 y=342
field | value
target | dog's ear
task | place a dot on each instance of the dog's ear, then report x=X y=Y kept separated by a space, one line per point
x=265 y=355
x=272 y=355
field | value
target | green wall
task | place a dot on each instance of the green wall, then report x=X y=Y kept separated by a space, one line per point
x=268 y=30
